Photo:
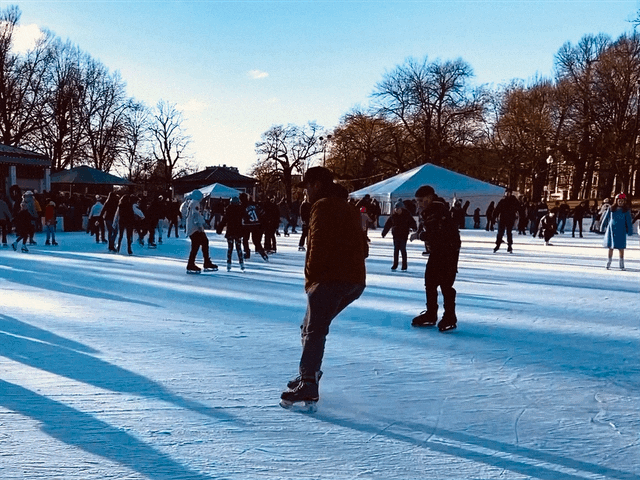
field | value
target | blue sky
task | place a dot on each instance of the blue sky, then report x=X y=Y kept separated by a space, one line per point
x=238 y=67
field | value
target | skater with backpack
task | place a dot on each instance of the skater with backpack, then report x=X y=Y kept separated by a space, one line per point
x=441 y=234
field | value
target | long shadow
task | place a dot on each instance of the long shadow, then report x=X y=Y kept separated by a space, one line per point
x=472 y=445
x=50 y=279
x=17 y=343
x=86 y=432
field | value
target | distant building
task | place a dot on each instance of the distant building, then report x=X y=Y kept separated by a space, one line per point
x=228 y=176
x=28 y=170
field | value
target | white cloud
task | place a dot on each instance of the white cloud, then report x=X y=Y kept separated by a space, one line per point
x=193 y=105
x=257 y=74
x=25 y=37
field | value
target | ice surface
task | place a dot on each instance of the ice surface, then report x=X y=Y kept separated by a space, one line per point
x=127 y=368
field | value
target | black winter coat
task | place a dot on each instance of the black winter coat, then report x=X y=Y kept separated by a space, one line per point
x=400 y=224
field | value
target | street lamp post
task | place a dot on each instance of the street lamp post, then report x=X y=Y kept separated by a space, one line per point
x=324 y=148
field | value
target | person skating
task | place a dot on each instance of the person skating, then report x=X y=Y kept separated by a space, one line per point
x=199 y=239
x=252 y=227
x=334 y=276
x=400 y=223
x=305 y=213
x=618 y=224
x=50 y=222
x=506 y=212
x=232 y=221
x=441 y=234
x=578 y=215
x=23 y=222
x=548 y=226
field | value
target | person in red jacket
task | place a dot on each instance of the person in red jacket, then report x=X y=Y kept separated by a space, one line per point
x=50 y=222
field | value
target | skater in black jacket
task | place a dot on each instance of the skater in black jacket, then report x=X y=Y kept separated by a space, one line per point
x=506 y=212
x=443 y=238
x=400 y=223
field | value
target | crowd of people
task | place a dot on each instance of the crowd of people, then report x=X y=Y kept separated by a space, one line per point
x=334 y=234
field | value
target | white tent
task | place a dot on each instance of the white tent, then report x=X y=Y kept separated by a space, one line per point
x=217 y=190
x=447 y=184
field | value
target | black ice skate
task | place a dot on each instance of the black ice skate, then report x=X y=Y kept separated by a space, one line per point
x=193 y=269
x=425 y=319
x=210 y=267
x=292 y=384
x=448 y=322
x=303 y=398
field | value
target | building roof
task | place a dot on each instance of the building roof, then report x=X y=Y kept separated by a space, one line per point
x=19 y=156
x=220 y=174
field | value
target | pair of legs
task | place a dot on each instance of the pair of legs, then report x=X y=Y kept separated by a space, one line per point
x=303 y=236
x=199 y=240
x=173 y=223
x=270 y=239
x=441 y=272
x=610 y=257
x=504 y=227
x=255 y=232
x=324 y=302
x=4 y=226
x=576 y=223
x=128 y=229
x=399 y=248
x=112 y=232
x=237 y=242
x=51 y=234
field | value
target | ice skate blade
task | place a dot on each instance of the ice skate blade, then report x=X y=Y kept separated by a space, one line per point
x=193 y=272
x=447 y=328
x=424 y=324
x=300 y=407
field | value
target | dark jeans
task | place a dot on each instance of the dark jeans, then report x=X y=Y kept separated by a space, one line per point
x=400 y=247
x=128 y=229
x=324 y=302
x=576 y=222
x=112 y=232
x=199 y=240
x=255 y=231
x=270 y=239
x=303 y=237
x=441 y=272
x=5 y=227
x=505 y=227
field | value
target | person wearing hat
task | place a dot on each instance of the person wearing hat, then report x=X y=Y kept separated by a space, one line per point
x=199 y=239
x=400 y=223
x=618 y=224
x=505 y=213
x=232 y=220
x=50 y=222
x=441 y=234
x=334 y=273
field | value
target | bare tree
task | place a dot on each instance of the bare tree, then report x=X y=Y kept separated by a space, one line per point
x=169 y=141
x=433 y=103
x=284 y=150
x=136 y=159
x=22 y=82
